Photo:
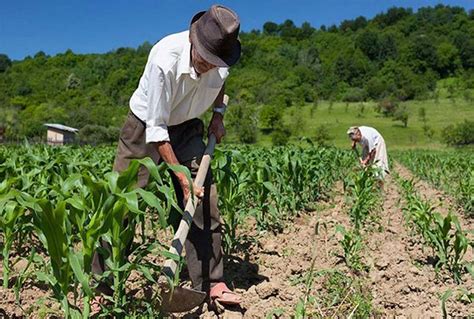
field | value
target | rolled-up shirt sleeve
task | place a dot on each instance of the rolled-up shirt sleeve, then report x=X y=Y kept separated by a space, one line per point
x=159 y=106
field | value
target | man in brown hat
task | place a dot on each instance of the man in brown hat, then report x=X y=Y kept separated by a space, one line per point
x=183 y=77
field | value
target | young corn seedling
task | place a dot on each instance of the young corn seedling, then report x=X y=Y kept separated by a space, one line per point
x=363 y=195
x=51 y=224
x=10 y=224
x=351 y=243
x=443 y=234
x=450 y=243
x=232 y=193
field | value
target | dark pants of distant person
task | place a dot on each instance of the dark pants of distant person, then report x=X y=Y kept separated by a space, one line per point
x=203 y=245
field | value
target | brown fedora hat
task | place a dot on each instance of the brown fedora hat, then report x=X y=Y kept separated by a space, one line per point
x=214 y=33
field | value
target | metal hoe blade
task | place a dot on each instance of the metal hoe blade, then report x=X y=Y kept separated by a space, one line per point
x=181 y=299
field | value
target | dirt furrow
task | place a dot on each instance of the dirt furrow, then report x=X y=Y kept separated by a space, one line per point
x=403 y=276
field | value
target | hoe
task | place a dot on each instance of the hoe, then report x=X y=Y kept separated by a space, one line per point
x=180 y=299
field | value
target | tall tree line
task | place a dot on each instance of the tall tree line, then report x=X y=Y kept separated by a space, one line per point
x=399 y=54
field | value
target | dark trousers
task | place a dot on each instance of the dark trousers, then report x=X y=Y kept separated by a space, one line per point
x=204 y=243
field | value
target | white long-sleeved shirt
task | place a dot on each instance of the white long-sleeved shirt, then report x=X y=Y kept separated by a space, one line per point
x=370 y=137
x=170 y=92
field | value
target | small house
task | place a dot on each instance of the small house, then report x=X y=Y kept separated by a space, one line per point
x=59 y=134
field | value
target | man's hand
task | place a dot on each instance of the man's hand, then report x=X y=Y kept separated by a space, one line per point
x=183 y=181
x=167 y=154
x=216 y=127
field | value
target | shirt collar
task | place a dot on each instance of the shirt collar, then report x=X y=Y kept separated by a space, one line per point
x=184 y=64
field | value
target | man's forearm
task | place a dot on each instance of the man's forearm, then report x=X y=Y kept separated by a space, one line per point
x=219 y=100
x=167 y=154
x=369 y=157
x=372 y=155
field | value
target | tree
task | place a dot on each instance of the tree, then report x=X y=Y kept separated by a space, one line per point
x=359 y=23
x=376 y=88
x=422 y=114
x=447 y=59
x=298 y=122
x=144 y=48
x=288 y=29
x=387 y=47
x=270 y=116
x=73 y=82
x=467 y=54
x=333 y=28
x=270 y=28
x=354 y=95
x=306 y=31
x=5 y=62
x=422 y=53
x=392 y=16
x=387 y=107
x=353 y=25
x=40 y=55
x=401 y=114
x=369 y=44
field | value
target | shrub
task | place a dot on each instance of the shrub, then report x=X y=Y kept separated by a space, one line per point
x=322 y=136
x=459 y=135
x=242 y=122
x=387 y=107
x=401 y=114
x=354 y=95
x=281 y=136
x=98 y=134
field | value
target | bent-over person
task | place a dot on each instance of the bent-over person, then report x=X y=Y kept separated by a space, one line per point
x=373 y=146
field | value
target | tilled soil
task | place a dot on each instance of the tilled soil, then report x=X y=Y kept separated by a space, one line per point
x=270 y=272
x=403 y=278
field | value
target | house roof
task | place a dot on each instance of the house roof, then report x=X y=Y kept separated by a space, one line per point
x=62 y=127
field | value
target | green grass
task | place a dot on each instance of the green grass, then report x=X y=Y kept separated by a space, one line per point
x=340 y=117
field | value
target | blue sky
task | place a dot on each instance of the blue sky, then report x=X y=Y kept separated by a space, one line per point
x=96 y=26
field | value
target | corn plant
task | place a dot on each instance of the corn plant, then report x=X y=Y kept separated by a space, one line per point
x=351 y=243
x=76 y=212
x=10 y=224
x=232 y=193
x=450 y=171
x=363 y=195
x=68 y=199
x=449 y=242
x=443 y=234
x=111 y=208
x=51 y=223
x=274 y=184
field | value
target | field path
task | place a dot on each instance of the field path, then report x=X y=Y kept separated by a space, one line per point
x=401 y=277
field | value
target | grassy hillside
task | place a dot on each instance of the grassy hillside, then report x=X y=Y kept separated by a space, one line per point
x=342 y=115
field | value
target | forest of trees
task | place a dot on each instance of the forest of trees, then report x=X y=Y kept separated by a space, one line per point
x=399 y=54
